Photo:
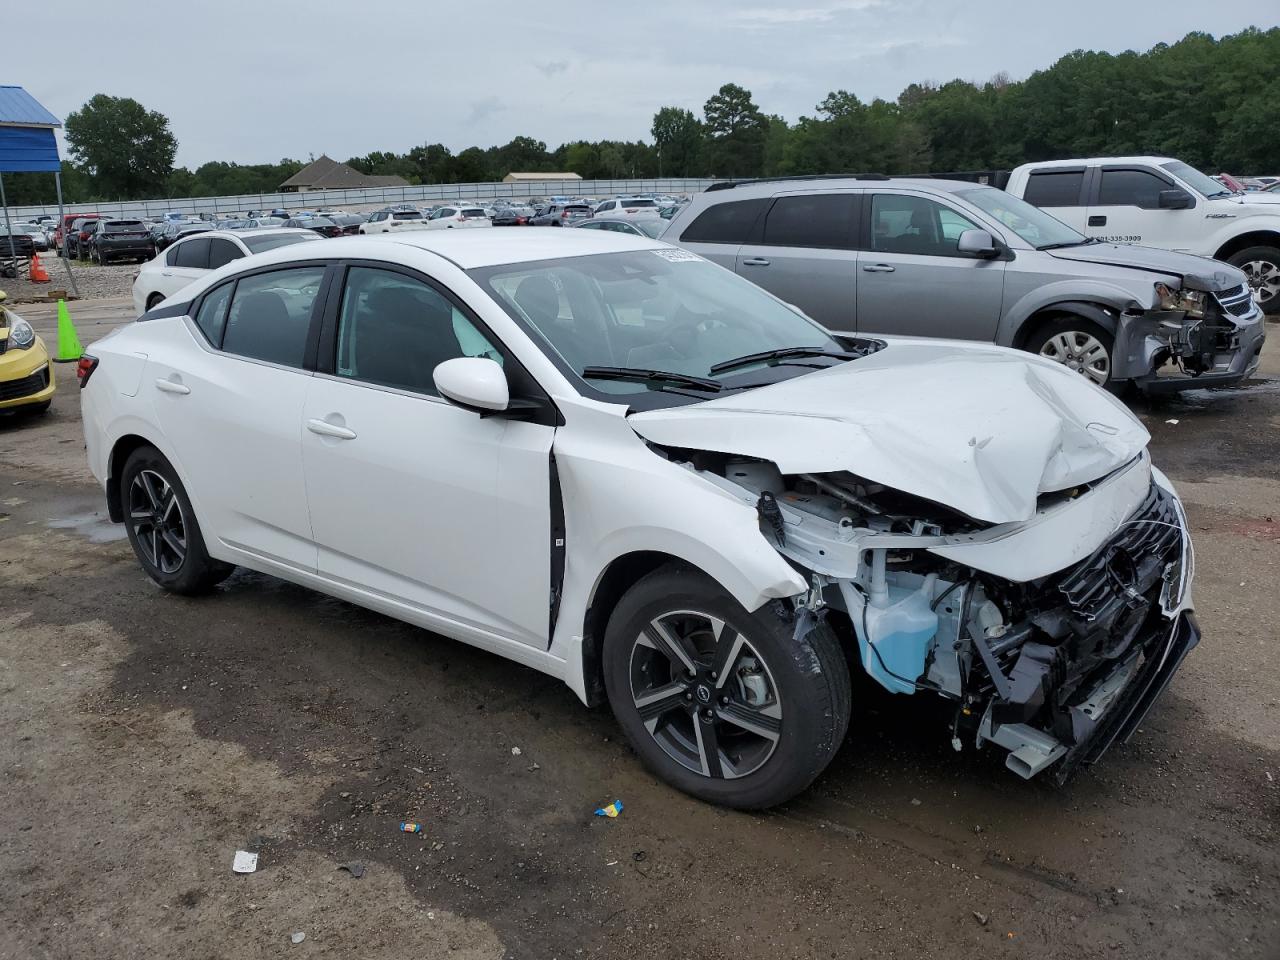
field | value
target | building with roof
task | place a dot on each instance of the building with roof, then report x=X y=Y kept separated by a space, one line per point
x=325 y=173
x=537 y=177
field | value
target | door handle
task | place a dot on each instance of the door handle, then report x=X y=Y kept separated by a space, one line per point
x=170 y=386
x=878 y=268
x=1097 y=221
x=326 y=429
x=755 y=262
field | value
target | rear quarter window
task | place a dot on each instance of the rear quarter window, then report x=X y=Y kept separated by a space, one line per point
x=730 y=222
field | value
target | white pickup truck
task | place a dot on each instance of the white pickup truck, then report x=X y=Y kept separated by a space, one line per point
x=1161 y=202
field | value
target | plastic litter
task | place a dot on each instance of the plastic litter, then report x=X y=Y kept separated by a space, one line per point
x=408 y=826
x=1174 y=422
x=982 y=918
x=297 y=937
x=355 y=868
x=516 y=751
x=244 y=862
x=611 y=811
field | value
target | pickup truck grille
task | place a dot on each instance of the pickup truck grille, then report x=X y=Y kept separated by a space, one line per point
x=1236 y=302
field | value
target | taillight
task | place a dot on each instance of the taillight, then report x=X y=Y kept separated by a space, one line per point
x=84 y=369
x=565 y=215
x=459 y=218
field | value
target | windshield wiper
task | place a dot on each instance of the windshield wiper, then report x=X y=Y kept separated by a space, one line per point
x=782 y=353
x=656 y=377
x=1070 y=243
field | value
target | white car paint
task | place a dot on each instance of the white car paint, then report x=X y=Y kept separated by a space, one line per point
x=455 y=216
x=164 y=275
x=393 y=221
x=414 y=506
x=627 y=207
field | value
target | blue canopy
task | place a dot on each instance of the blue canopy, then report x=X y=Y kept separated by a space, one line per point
x=27 y=143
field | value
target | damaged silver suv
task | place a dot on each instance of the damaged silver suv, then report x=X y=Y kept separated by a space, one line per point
x=941 y=258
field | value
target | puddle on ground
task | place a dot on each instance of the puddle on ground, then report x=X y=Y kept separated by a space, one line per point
x=96 y=526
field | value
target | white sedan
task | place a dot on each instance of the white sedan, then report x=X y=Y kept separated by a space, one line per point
x=617 y=463
x=193 y=257
x=454 y=215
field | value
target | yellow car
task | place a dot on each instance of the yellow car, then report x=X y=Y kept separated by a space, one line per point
x=26 y=373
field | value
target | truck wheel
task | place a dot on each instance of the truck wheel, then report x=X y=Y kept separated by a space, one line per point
x=162 y=526
x=721 y=703
x=1078 y=344
x=1262 y=266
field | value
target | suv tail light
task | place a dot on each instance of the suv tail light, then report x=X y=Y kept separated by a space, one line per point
x=84 y=369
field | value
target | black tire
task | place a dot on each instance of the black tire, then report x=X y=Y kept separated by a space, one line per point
x=802 y=688
x=1262 y=265
x=150 y=495
x=154 y=300
x=1080 y=334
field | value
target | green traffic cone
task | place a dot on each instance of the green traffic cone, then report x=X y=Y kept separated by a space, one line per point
x=69 y=348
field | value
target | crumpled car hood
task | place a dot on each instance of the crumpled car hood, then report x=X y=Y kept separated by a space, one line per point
x=982 y=429
x=1197 y=273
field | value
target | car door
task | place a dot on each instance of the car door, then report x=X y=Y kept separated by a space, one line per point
x=1125 y=208
x=806 y=255
x=412 y=498
x=184 y=261
x=911 y=278
x=1061 y=192
x=230 y=407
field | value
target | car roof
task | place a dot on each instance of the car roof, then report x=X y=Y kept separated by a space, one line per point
x=1082 y=161
x=751 y=189
x=470 y=249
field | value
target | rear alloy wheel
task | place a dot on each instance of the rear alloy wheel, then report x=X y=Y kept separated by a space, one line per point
x=1261 y=265
x=162 y=526
x=724 y=704
x=1078 y=345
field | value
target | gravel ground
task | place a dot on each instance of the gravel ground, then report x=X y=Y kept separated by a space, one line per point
x=93 y=281
x=149 y=736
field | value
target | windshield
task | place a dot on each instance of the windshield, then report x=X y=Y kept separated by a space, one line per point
x=638 y=202
x=664 y=309
x=1201 y=183
x=406 y=215
x=1030 y=223
x=273 y=240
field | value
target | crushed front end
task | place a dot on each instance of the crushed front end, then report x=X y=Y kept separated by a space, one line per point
x=1191 y=338
x=1052 y=636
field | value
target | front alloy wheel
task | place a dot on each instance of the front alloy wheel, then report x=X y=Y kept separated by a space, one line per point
x=726 y=704
x=705 y=695
x=1080 y=351
x=155 y=516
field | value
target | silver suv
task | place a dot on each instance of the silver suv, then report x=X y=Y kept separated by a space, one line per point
x=953 y=259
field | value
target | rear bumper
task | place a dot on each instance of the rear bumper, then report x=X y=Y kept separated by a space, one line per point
x=132 y=248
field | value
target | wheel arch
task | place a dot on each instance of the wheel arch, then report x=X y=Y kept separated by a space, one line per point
x=1103 y=316
x=120 y=451
x=1254 y=238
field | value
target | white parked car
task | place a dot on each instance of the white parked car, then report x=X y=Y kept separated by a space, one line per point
x=455 y=215
x=628 y=207
x=393 y=221
x=191 y=258
x=622 y=465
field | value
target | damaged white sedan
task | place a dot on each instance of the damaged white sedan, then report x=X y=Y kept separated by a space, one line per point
x=622 y=465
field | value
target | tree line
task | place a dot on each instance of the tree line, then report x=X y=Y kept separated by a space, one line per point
x=1214 y=103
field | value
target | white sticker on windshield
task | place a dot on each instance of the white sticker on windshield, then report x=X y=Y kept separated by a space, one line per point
x=675 y=255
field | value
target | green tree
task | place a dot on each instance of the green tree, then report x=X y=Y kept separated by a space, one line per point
x=677 y=136
x=736 y=131
x=126 y=149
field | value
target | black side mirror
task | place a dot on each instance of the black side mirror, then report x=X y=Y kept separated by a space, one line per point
x=1174 y=200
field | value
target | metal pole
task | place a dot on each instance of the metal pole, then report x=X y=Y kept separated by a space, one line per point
x=8 y=229
x=66 y=260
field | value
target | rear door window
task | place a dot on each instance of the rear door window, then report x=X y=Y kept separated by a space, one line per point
x=812 y=220
x=191 y=253
x=270 y=315
x=222 y=252
x=1054 y=188
x=730 y=222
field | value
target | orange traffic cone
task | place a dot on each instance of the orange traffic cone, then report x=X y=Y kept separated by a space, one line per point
x=38 y=273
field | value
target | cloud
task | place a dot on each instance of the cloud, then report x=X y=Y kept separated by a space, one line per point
x=774 y=16
x=483 y=109
x=552 y=68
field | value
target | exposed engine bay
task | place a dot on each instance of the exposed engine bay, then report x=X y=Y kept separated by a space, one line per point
x=1052 y=636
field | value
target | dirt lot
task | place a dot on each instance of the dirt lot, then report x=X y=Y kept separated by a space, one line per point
x=149 y=736
x=94 y=282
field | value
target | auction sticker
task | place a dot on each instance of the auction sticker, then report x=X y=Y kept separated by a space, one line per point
x=674 y=255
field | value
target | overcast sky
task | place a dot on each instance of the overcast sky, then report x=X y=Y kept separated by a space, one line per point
x=257 y=80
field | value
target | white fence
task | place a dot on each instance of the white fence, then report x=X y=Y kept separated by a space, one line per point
x=372 y=196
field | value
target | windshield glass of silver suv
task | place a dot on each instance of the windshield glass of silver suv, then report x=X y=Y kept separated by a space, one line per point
x=1030 y=223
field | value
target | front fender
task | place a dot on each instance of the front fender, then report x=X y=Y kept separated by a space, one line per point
x=1088 y=299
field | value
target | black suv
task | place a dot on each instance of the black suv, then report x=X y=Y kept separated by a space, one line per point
x=120 y=240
